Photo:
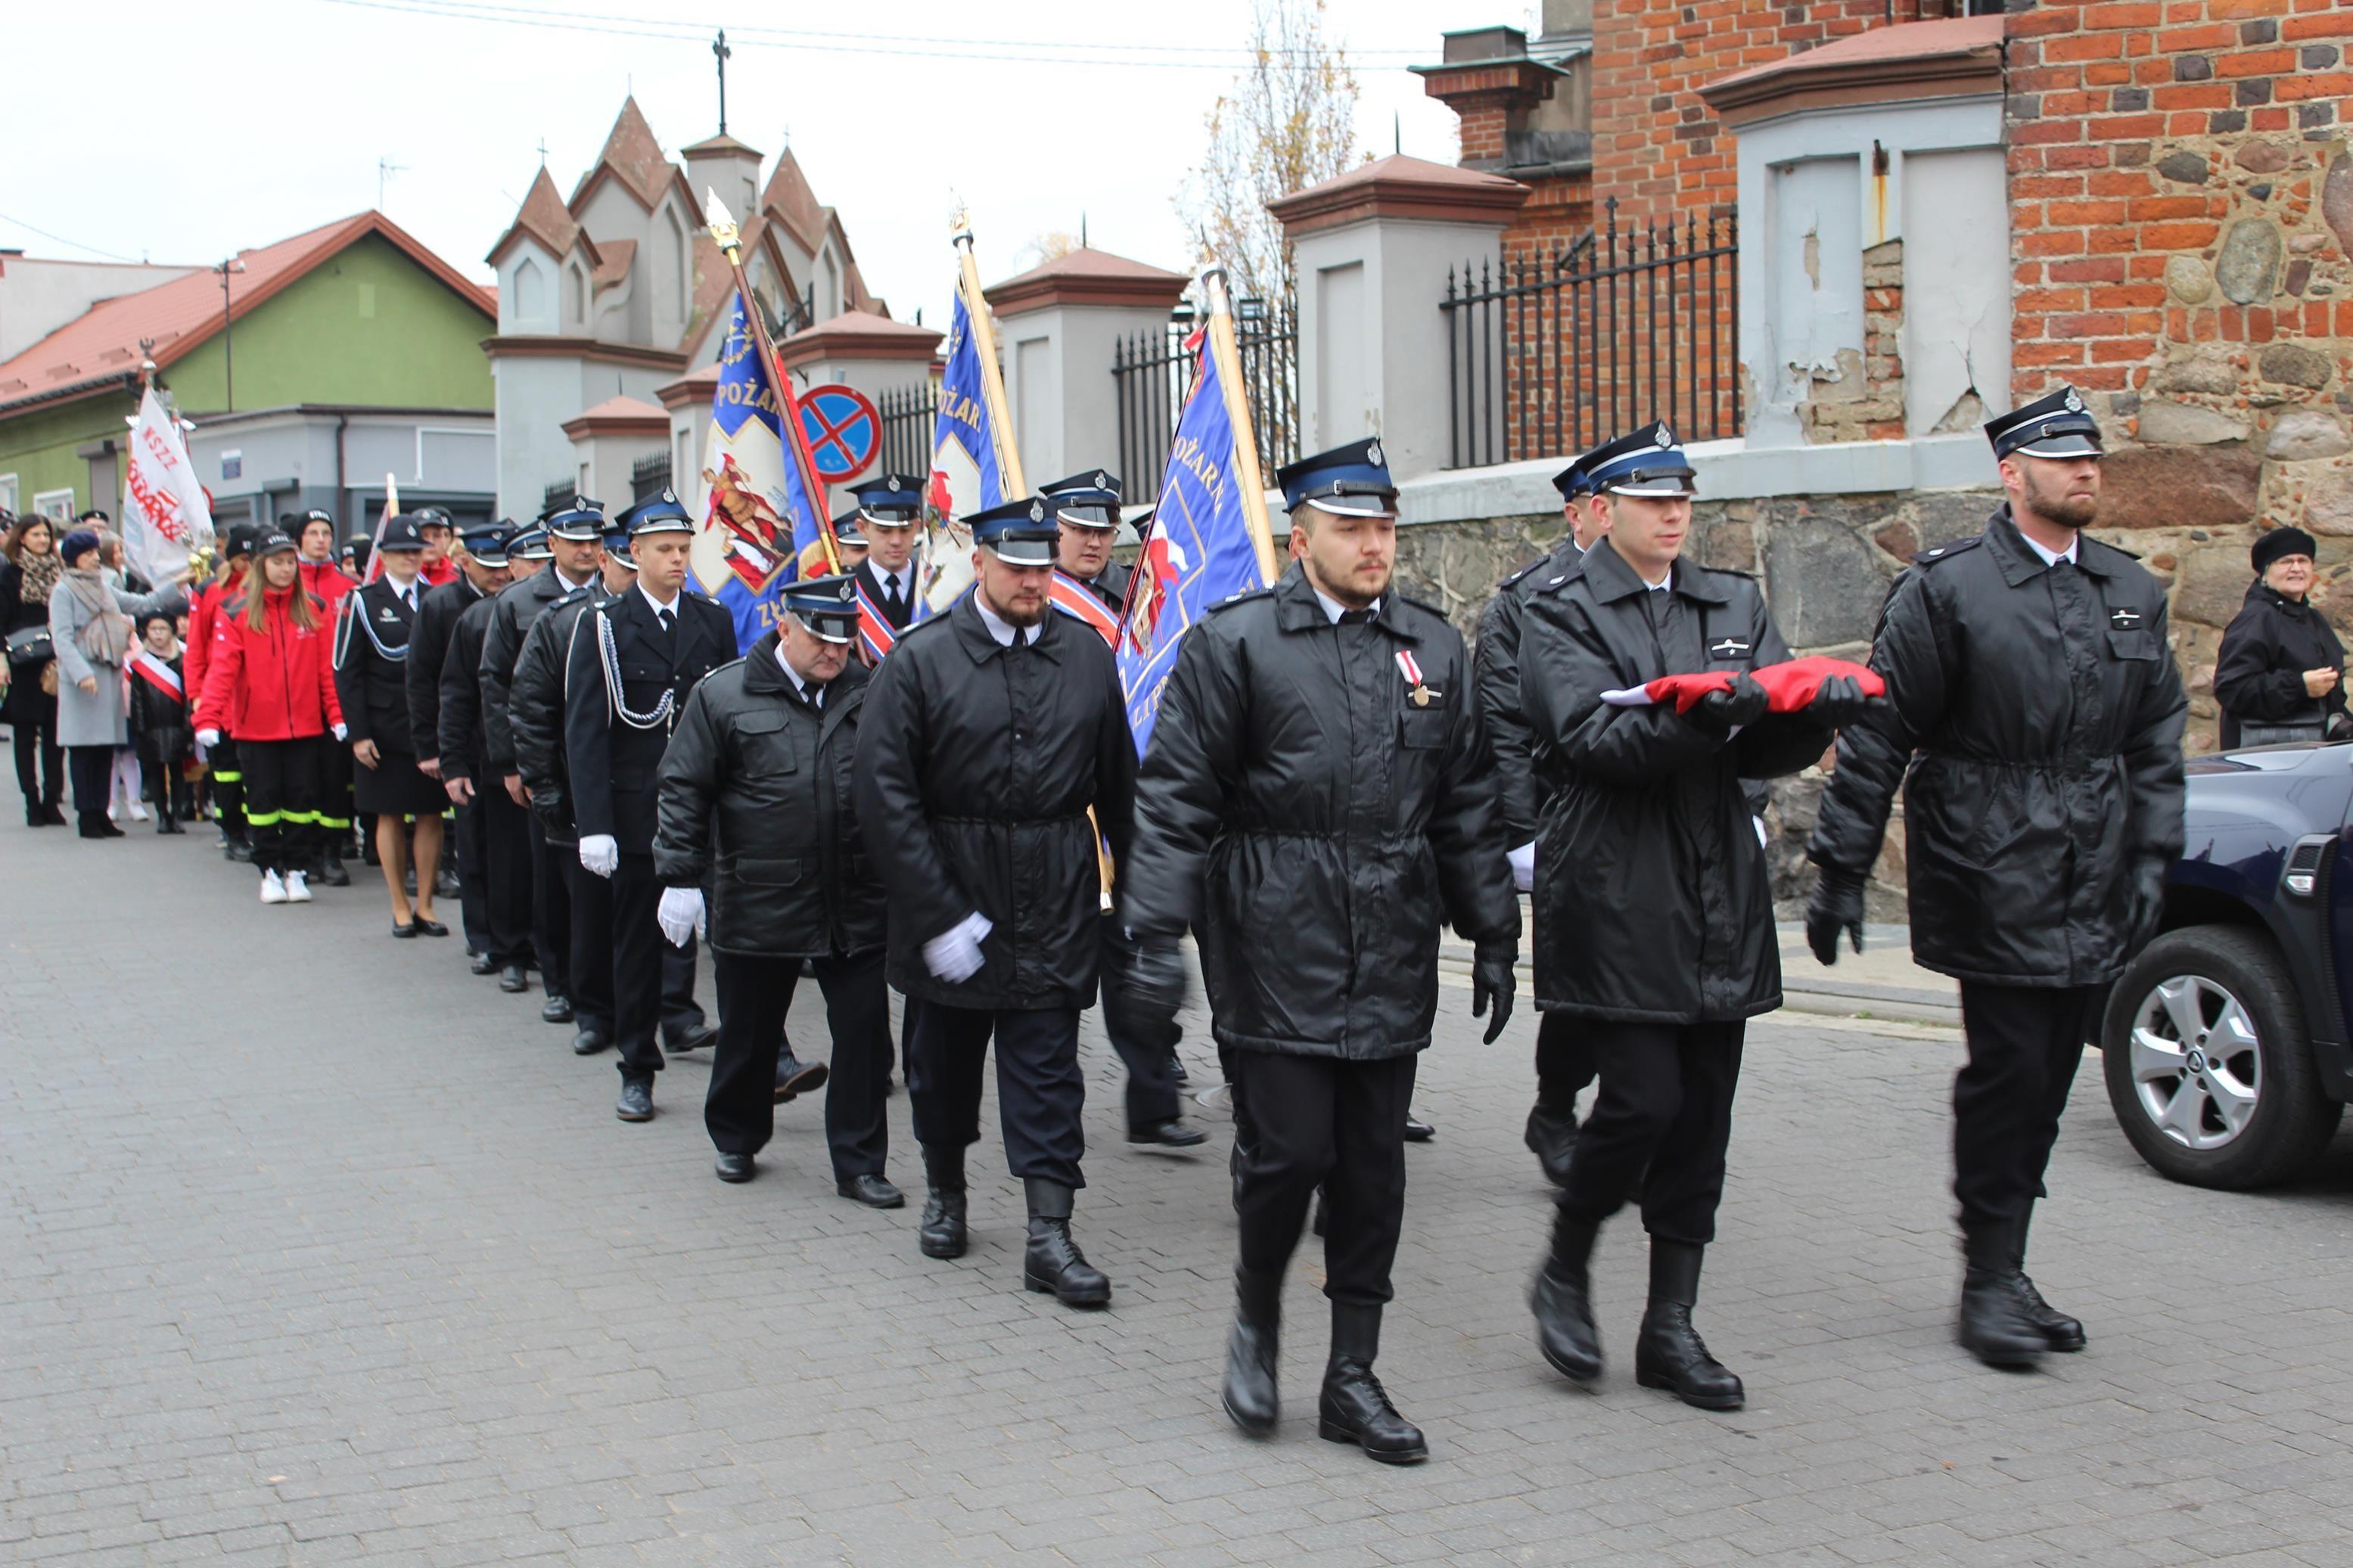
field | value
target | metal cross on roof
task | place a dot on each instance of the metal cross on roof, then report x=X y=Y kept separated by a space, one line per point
x=721 y=52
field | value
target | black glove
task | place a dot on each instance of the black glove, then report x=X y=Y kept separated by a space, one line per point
x=2146 y=912
x=1720 y=712
x=1835 y=906
x=1493 y=981
x=1840 y=701
x=1156 y=974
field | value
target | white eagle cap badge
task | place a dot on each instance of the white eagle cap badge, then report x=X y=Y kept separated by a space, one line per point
x=1373 y=453
x=1102 y=480
x=1037 y=511
x=1665 y=438
x=2074 y=403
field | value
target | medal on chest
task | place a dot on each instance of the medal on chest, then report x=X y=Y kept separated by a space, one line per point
x=1418 y=691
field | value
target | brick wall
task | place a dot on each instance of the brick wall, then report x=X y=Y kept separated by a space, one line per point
x=2181 y=208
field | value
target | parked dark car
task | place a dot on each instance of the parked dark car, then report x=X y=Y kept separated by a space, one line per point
x=2225 y=1041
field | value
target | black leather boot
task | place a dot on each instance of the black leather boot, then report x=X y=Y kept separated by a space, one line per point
x=1562 y=1299
x=1354 y=1407
x=1995 y=1323
x=941 y=1232
x=1552 y=1139
x=1669 y=1354
x=1053 y=1262
x=334 y=873
x=2059 y=1330
x=1251 y=1396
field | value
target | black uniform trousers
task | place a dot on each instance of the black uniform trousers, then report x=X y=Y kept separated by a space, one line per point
x=1564 y=1063
x=505 y=833
x=646 y=981
x=91 y=769
x=225 y=772
x=1322 y=1122
x=282 y=784
x=473 y=874
x=1662 y=1123
x=754 y=993
x=35 y=741
x=2024 y=1047
x=1040 y=1093
x=1146 y=1045
x=335 y=797
x=554 y=871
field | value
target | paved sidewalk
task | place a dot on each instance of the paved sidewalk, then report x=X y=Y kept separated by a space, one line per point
x=357 y=1265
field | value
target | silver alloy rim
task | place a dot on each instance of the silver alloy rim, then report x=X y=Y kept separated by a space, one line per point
x=2195 y=1067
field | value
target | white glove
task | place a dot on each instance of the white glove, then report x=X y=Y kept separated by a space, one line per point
x=601 y=854
x=681 y=915
x=342 y=733
x=1524 y=867
x=208 y=739
x=955 y=955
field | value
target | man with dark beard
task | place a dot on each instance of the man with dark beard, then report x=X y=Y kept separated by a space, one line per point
x=2033 y=718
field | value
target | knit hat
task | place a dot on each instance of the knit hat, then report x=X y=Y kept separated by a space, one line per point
x=2282 y=541
x=79 y=541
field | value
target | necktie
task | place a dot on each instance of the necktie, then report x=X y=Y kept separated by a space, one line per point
x=817 y=698
x=663 y=617
x=1354 y=617
x=891 y=599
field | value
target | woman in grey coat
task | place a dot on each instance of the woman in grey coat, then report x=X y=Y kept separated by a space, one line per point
x=90 y=626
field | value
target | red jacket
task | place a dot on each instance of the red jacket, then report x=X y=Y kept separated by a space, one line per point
x=437 y=573
x=204 y=609
x=325 y=580
x=274 y=684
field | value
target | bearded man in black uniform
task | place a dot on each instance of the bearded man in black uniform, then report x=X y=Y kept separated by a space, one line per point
x=1653 y=905
x=633 y=661
x=757 y=802
x=987 y=738
x=1318 y=800
x=2033 y=719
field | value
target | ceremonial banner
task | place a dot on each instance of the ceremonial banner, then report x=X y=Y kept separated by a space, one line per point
x=765 y=507
x=966 y=478
x=168 y=517
x=1198 y=551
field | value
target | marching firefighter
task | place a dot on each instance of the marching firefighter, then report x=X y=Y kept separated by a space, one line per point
x=2033 y=720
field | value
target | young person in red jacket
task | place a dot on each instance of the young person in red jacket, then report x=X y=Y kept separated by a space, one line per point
x=223 y=779
x=438 y=567
x=269 y=681
x=314 y=537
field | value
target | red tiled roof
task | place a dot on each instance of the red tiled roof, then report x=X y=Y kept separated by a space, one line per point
x=544 y=217
x=1905 y=41
x=634 y=154
x=102 y=344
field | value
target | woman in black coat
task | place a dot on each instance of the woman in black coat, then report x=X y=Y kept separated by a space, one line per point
x=2280 y=662
x=31 y=705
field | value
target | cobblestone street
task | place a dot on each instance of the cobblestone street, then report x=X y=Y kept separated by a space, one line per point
x=361 y=1267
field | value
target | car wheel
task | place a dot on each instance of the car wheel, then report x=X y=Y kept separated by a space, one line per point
x=2207 y=1063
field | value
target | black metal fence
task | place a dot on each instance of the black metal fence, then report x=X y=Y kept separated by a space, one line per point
x=907 y=430
x=1549 y=355
x=560 y=494
x=648 y=476
x=1153 y=372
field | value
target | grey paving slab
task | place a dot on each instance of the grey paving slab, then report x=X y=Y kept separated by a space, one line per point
x=352 y=1264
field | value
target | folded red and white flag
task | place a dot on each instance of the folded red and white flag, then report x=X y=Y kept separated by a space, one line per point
x=1788 y=687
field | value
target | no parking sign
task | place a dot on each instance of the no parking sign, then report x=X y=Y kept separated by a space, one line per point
x=844 y=431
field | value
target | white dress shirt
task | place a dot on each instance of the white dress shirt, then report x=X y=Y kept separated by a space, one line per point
x=1334 y=609
x=1006 y=633
x=2053 y=557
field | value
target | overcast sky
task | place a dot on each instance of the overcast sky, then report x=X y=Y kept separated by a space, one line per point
x=187 y=133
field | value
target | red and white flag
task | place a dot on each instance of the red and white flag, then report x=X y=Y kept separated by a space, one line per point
x=169 y=516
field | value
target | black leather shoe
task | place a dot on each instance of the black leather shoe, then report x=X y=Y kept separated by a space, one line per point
x=239 y=850
x=689 y=1038
x=427 y=926
x=1552 y=1139
x=482 y=963
x=637 y=1102
x=1177 y=1068
x=1669 y=1354
x=795 y=1078
x=2059 y=1332
x=336 y=874
x=588 y=1042
x=1052 y=1263
x=873 y=1191
x=1418 y=1132
x=1354 y=1407
x=1562 y=1301
x=733 y=1167
x=1250 y=1396
x=405 y=932
x=1172 y=1134
x=941 y=1232
x=1996 y=1325
x=556 y=1009
x=514 y=979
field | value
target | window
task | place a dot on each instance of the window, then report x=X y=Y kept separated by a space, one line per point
x=576 y=297
x=7 y=493
x=671 y=268
x=58 y=505
x=529 y=285
x=233 y=465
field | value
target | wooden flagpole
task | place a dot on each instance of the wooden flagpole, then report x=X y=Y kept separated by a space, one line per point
x=992 y=377
x=1249 y=475
x=729 y=239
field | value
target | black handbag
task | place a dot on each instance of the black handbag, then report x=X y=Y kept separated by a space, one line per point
x=31 y=644
x=2299 y=730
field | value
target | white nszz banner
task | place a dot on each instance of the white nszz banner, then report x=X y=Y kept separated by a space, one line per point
x=168 y=516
